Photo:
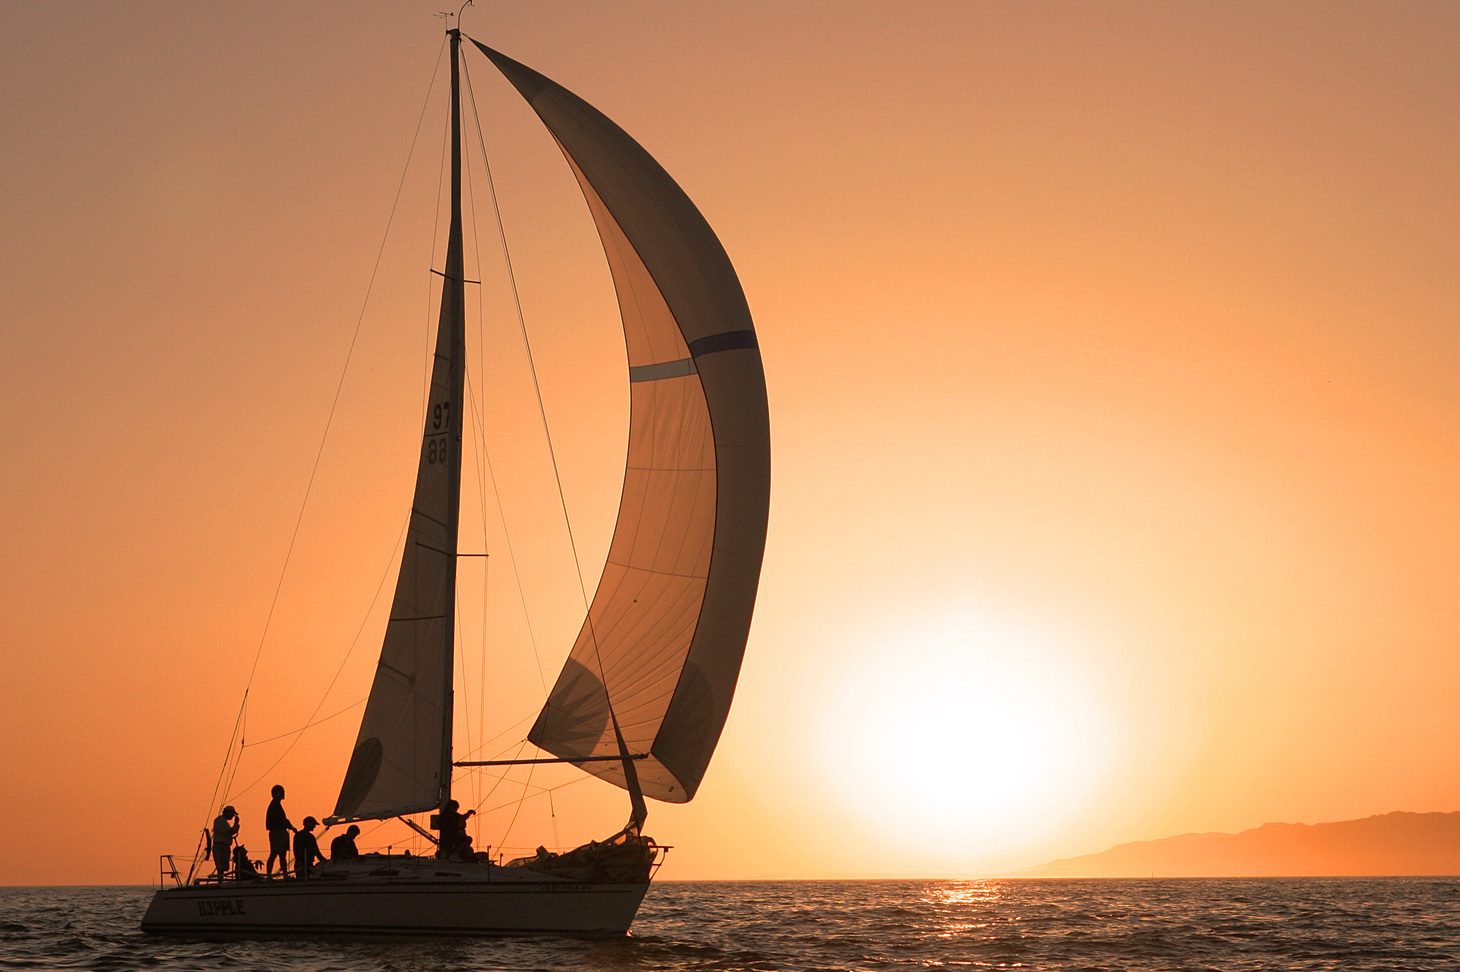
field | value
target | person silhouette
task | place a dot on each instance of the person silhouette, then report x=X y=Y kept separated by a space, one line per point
x=306 y=848
x=276 y=822
x=454 y=843
x=343 y=848
x=223 y=834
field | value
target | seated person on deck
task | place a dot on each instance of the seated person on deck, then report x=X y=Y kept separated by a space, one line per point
x=455 y=844
x=243 y=868
x=343 y=848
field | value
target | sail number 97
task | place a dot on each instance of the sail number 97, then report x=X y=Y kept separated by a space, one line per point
x=436 y=448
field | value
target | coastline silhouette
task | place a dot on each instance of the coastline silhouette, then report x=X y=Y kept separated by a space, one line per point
x=1391 y=844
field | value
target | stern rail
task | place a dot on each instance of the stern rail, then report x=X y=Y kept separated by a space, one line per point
x=167 y=868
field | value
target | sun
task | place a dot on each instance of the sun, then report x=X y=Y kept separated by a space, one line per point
x=967 y=738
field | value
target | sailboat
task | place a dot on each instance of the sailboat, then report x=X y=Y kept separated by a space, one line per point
x=644 y=694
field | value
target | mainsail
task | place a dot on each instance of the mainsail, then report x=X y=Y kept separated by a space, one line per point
x=661 y=648
x=402 y=758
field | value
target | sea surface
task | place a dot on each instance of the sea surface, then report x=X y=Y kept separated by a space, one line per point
x=1391 y=924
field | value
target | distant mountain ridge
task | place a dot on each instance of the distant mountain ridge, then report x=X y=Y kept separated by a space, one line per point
x=1399 y=843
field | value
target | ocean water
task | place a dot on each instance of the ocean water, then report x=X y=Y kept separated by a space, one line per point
x=1396 y=925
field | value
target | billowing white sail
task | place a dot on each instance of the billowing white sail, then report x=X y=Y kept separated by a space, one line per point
x=666 y=631
x=402 y=758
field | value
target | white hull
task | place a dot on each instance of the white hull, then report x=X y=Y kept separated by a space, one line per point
x=396 y=897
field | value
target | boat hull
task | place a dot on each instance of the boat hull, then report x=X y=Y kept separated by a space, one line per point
x=491 y=901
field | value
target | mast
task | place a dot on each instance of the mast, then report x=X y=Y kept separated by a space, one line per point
x=453 y=293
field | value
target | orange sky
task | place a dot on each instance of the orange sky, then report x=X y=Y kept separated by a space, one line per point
x=1111 y=353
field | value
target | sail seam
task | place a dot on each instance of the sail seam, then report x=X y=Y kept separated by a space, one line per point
x=422 y=513
x=652 y=570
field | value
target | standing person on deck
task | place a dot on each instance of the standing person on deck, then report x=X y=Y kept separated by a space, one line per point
x=306 y=849
x=223 y=835
x=276 y=822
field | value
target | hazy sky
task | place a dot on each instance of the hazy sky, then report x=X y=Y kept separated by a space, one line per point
x=1111 y=352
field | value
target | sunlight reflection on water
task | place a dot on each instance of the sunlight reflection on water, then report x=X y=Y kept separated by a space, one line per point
x=963 y=893
x=1314 y=925
x=963 y=910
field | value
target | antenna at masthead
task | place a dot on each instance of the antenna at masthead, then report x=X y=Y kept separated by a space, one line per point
x=448 y=16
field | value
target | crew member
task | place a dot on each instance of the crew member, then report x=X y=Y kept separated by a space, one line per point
x=225 y=829
x=343 y=848
x=276 y=822
x=454 y=843
x=306 y=848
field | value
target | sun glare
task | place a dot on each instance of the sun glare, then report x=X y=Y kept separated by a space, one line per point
x=965 y=740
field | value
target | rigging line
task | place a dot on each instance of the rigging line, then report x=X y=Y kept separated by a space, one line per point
x=242 y=734
x=493 y=789
x=503 y=776
x=485 y=742
x=378 y=824
x=477 y=409
x=527 y=344
x=475 y=412
x=482 y=682
x=461 y=653
x=479 y=441
x=339 y=387
x=318 y=722
x=520 y=801
x=430 y=284
x=491 y=477
x=354 y=642
x=400 y=186
x=218 y=786
x=486 y=454
x=520 y=744
x=339 y=669
x=541 y=792
x=196 y=860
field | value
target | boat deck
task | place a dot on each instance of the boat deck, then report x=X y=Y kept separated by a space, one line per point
x=388 y=896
